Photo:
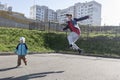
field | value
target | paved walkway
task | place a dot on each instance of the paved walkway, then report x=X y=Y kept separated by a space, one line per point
x=60 y=67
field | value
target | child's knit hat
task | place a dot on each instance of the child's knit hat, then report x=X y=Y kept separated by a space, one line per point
x=22 y=39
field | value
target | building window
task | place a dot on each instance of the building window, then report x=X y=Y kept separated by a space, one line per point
x=81 y=9
x=90 y=5
x=91 y=21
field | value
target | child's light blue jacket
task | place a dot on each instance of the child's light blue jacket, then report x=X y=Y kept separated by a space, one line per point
x=21 y=49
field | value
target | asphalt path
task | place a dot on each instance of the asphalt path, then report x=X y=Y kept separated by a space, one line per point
x=60 y=67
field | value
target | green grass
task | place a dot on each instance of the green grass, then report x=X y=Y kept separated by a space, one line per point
x=37 y=41
x=41 y=41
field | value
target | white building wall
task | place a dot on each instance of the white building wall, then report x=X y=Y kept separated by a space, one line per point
x=42 y=13
x=5 y=7
x=61 y=14
x=82 y=9
x=52 y=16
x=89 y=8
x=96 y=14
x=33 y=12
x=39 y=13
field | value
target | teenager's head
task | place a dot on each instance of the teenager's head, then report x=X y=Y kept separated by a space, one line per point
x=69 y=16
x=22 y=40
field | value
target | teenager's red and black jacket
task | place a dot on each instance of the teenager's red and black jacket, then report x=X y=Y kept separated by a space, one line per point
x=73 y=23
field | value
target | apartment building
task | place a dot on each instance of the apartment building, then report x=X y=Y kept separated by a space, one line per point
x=61 y=14
x=92 y=8
x=52 y=15
x=89 y=8
x=39 y=13
x=42 y=13
x=5 y=7
x=81 y=9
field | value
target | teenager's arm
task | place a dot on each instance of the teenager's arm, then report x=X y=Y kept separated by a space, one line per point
x=82 y=18
x=65 y=28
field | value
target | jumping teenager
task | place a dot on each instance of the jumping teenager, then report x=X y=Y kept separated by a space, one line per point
x=75 y=31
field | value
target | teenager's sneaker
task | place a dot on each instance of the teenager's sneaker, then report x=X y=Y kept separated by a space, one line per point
x=70 y=46
x=80 y=51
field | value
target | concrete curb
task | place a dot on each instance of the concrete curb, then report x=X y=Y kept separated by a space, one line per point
x=92 y=55
x=30 y=53
x=6 y=53
x=69 y=53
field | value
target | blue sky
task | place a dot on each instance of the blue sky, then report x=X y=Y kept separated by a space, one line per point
x=110 y=8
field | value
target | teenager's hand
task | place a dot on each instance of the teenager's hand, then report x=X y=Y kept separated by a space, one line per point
x=88 y=16
x=64 y=29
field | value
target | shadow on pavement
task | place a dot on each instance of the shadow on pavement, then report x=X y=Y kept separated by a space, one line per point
x=9 y=78
x=6 y=69
x=32 y=76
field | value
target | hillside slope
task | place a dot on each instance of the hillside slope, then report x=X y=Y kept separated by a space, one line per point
x=41 y=41
x=37 y=41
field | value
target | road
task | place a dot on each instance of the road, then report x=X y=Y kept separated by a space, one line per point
x=60 y=67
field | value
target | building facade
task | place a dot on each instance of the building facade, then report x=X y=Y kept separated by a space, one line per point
x=81 y=9
x=92 y=8
x=42 y=13
x=39 y=13
x=5 y=7
x=52 y=15
x=61 y=14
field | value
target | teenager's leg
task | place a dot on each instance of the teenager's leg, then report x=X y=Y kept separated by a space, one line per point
x=75 y=46
x=76 y=37
x=70 y=38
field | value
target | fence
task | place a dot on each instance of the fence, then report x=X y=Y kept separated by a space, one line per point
x=95 y=39
x=91 y=31
x=45 y=26
x=87 y=31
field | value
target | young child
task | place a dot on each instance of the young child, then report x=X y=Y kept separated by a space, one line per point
x=21 y=51
x=75 y=30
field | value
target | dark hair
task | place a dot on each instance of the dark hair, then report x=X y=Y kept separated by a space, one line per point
x=69 y=15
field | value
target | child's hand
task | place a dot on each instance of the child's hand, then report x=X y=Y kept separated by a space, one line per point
x=15 y=51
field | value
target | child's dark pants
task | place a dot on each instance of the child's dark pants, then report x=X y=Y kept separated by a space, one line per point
x=21 y=58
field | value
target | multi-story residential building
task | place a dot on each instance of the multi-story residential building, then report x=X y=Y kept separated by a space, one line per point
x=52 y=15
x=5 y=7
x=81 y=9
x=42 y=13
x=89 y=8
x=61 y=14
x=39 y=13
